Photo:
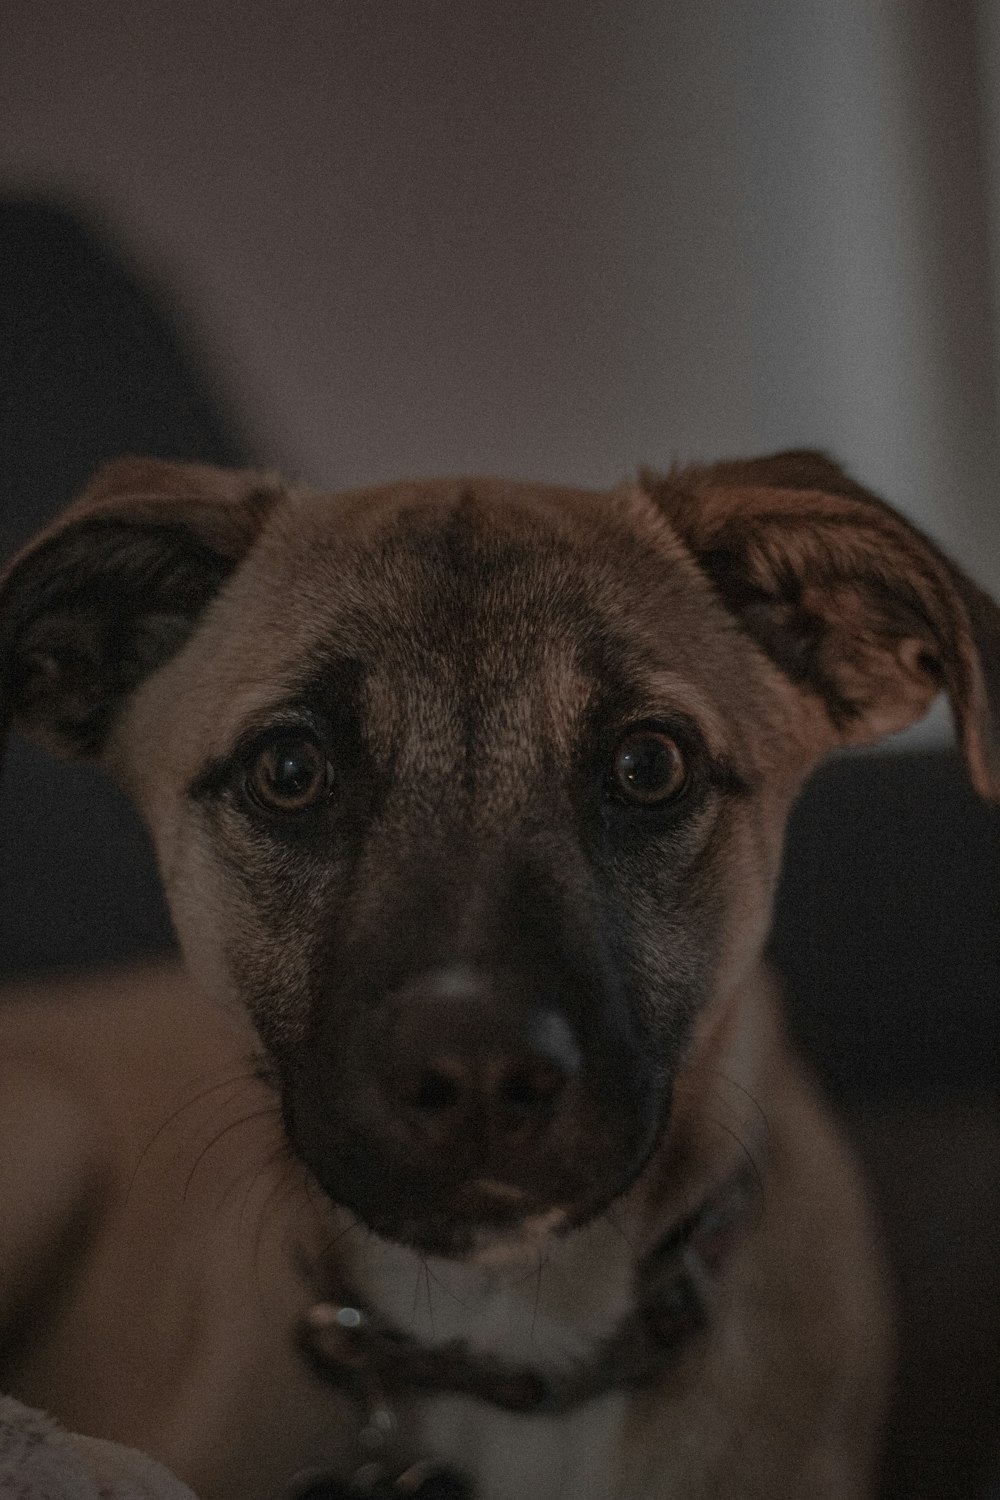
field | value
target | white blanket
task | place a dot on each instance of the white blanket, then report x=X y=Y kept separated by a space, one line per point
x=40 y=1461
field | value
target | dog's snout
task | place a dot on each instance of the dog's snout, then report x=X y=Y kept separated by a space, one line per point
x=469 y=1069
x=471 y=1092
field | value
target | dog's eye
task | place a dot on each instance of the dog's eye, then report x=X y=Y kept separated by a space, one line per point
x=289 y=774
x=648 y=768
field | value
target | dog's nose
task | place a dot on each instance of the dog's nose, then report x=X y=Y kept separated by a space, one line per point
x=468 y=1068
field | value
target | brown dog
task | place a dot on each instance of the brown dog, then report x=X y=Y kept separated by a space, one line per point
x=471 y=795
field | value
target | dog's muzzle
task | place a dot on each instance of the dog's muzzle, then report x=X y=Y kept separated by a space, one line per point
x=457 y=1109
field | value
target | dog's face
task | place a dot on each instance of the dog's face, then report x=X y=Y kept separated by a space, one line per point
x=472 y=794
x=467 y=826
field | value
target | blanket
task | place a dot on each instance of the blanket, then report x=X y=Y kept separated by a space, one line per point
x=40 y=1461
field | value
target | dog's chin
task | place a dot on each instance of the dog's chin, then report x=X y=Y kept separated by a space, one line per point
x=481 y=1241
x=482 y=1218
x=484 y=1222
x=496 y=1237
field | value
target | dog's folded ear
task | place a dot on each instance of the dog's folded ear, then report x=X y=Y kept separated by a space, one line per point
x=852 y=602
x=113 y=589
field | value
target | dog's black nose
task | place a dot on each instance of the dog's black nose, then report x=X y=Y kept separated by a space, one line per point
x=470 y=1068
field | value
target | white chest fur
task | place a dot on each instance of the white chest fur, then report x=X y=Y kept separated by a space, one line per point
x=547 y=1305
x=510 y=1457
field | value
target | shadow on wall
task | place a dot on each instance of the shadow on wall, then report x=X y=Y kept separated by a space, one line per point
x=91 y=366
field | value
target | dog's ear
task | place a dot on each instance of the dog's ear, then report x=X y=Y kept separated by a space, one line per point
x=851 y=601
x=112 y=589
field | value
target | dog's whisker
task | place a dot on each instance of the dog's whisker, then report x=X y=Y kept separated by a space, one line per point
x=309 y=1185
x=538 y=1293
x=467 y=1306
x=256 y=1175
x=552 y=1268
x=746 y=1150
x=609 y=1214
x=751 y=1099
x=226 y=1105
x=251 y=1177
x=242 y=1079
x=317 y=1266
x=342 y=1234
x=521 y=1280
x=258 y=1114
x=277 y=1196
x=427 y=1283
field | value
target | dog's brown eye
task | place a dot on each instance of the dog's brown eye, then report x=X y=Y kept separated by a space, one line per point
x=648 y=768
x=290 y=774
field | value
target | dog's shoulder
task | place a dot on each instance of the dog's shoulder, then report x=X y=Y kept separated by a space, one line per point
x=53 y=1174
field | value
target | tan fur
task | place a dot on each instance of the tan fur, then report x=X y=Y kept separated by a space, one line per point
x=774 y=606
x=153 y=1228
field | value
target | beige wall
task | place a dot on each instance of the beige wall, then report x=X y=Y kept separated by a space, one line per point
x=555 y=237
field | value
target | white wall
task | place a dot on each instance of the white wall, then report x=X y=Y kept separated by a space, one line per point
x=554 y=238
x=872 y=314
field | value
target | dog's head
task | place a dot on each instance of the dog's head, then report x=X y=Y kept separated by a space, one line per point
x=471 y=794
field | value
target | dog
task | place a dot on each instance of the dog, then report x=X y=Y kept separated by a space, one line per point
x=469 y=796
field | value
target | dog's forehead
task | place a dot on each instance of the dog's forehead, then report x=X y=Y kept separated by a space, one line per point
x=512 y=600
x=473 y=578
x=412 y=562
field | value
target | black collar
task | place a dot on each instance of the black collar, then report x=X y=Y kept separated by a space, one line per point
x=675 y=1287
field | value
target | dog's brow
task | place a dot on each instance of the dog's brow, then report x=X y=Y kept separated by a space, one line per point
x=666 y=690
x=327 y=703
x=213 y=775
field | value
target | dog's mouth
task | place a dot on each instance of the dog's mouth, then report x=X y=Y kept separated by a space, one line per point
x=474 y=1226
x=480 y=1236
x=480 y=1217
